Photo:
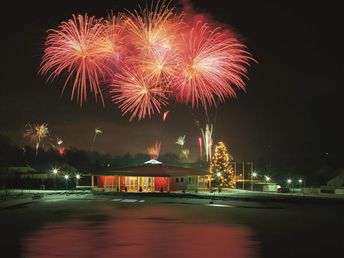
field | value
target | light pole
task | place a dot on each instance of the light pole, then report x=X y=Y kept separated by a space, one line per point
x=219 y=180
x=55 y=172
x=253 y=175
x=267 y=179
x=66 y=177
x=289 y=181
x=77 y=176
x=300 y=184
x=243 y=175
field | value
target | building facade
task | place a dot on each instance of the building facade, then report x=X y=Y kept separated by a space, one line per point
x=151 y=177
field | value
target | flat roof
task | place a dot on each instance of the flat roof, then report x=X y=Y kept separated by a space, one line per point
x=152 y=170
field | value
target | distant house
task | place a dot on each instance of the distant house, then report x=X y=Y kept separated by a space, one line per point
x=337 y=181
x=15 y=172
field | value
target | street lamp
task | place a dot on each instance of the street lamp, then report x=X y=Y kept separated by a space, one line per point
x=267 y=178
x=66 y=177
x=55 y=171
x=289 y=181
x=219 y=174
x=253 y=175
x=300 y=183
x=77 y=176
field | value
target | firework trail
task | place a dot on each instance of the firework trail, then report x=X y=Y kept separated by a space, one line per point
x=97 y=132
x=36 y=133
x=165 y=115
x=154 y=151
x=207 y=135
x=200 y=147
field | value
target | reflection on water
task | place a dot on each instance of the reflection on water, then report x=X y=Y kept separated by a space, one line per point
x=139 y=237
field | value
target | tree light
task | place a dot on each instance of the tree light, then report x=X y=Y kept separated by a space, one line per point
x=254 y=174
x=66 y=177
x=55 y=171
x=300 y=181
x=267 y=178
x=218 y=174
x=289 y=181
x=77 y=176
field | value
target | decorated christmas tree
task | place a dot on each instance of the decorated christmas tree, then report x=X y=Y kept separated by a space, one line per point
x=221 y=169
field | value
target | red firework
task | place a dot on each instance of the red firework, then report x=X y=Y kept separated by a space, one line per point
x=73 y=48
x=111 y=42
x=210 y=65
x=155 y=37
x=148 y=55
x=139 y=95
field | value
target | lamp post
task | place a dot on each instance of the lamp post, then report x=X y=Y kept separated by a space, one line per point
x=218 y=174
x=55 y=171
x=253 y=175
x=289 y=181
x=243 y=175
x=300 y=184
x=267 y=179
x=77 y=177
x=66 y=177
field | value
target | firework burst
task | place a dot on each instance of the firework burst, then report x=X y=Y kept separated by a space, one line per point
x=154 y=30
x=181 y=141
x=138 y=95
x=146 y=56
x=211 y=65
x=110 y=45
x=36 y=133
x=75 y=48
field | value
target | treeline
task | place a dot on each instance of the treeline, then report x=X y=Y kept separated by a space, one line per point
x=84 y=161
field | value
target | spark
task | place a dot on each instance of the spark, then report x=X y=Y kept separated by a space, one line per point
x=181 y=141
x=184 y=154
x=61 y=150
x=59 y=141
x=154 y=151
x=200 y=147
x=36 y=133
x=165 y=115
x=97 y=132
x=207 y=135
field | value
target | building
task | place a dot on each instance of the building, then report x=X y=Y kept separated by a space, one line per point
x=337 y=181
x=152 y=176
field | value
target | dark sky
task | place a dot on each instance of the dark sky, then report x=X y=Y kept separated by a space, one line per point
x=294 y=96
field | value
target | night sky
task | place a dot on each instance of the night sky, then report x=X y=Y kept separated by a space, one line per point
x=293 y=105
